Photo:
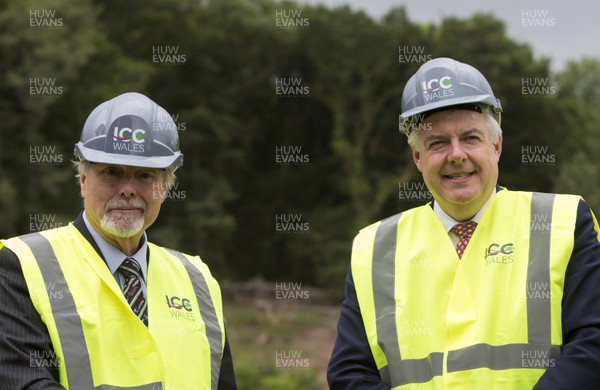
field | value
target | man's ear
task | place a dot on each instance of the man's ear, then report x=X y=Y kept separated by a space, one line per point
x=498 y=148
x=82 y=179
x=417 y=158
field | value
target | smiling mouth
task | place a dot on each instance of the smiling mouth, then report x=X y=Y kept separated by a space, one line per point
x=458 y=176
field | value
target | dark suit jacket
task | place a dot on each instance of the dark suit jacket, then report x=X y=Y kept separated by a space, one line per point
x=26 y=352
x=352 y=365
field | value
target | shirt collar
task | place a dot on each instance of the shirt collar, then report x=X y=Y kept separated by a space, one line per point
x=449 y=222
x=113 y=256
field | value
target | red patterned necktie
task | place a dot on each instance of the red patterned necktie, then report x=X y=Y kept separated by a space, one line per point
x=132 y=288
x=464 y=232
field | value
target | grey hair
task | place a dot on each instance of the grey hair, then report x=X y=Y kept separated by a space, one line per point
x=495 y=131
x=82 y=167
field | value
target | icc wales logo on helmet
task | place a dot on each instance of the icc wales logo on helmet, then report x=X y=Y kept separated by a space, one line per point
x=129 y=135
x=437 y=88
x=126 y=139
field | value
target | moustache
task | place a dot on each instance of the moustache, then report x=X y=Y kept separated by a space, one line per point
x=126 y=204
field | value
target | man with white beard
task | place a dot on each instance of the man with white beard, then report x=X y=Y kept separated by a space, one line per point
x=96 y=305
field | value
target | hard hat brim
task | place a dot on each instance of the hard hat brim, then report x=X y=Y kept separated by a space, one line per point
x=101 y=157
x=449 y=103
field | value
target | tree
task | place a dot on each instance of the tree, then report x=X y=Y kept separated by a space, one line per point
x=578 y=97
x=43 y=46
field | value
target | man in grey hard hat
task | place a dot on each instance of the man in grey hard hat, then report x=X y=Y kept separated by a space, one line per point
x=95 y=305
x=482 y=288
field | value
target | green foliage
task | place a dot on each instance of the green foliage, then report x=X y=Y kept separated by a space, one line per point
x=232 y=120
x=31 y=53
x=575 y=177
x=579 y=161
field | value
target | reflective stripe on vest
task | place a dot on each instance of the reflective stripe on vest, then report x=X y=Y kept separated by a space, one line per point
x=208 y=314
x=400 y=371
x=70 y=330
x=64 y=312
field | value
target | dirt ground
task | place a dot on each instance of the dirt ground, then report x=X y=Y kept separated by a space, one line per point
x=259 y=320
x=317 y=342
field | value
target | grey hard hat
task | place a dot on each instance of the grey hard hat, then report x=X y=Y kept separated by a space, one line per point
x=441 y=83
x=131 y=130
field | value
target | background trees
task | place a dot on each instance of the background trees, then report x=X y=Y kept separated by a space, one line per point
x=234 y=120
x=324 y=156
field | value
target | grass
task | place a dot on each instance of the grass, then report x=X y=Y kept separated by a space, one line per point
x=280 y=345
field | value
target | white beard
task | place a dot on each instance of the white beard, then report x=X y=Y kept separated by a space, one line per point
x=122 y=226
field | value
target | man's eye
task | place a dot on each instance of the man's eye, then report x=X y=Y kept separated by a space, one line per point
x=110 y=171
x=147 y=176
x=434 y=144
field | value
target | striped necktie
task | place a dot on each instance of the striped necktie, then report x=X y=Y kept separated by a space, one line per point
x=464 y=232
x=132 y=288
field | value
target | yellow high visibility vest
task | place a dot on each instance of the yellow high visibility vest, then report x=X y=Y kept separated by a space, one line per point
x=99 y=343
x=491 y=320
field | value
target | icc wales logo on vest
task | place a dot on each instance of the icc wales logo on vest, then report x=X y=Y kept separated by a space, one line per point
x=180 y=307
x=499 y=254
